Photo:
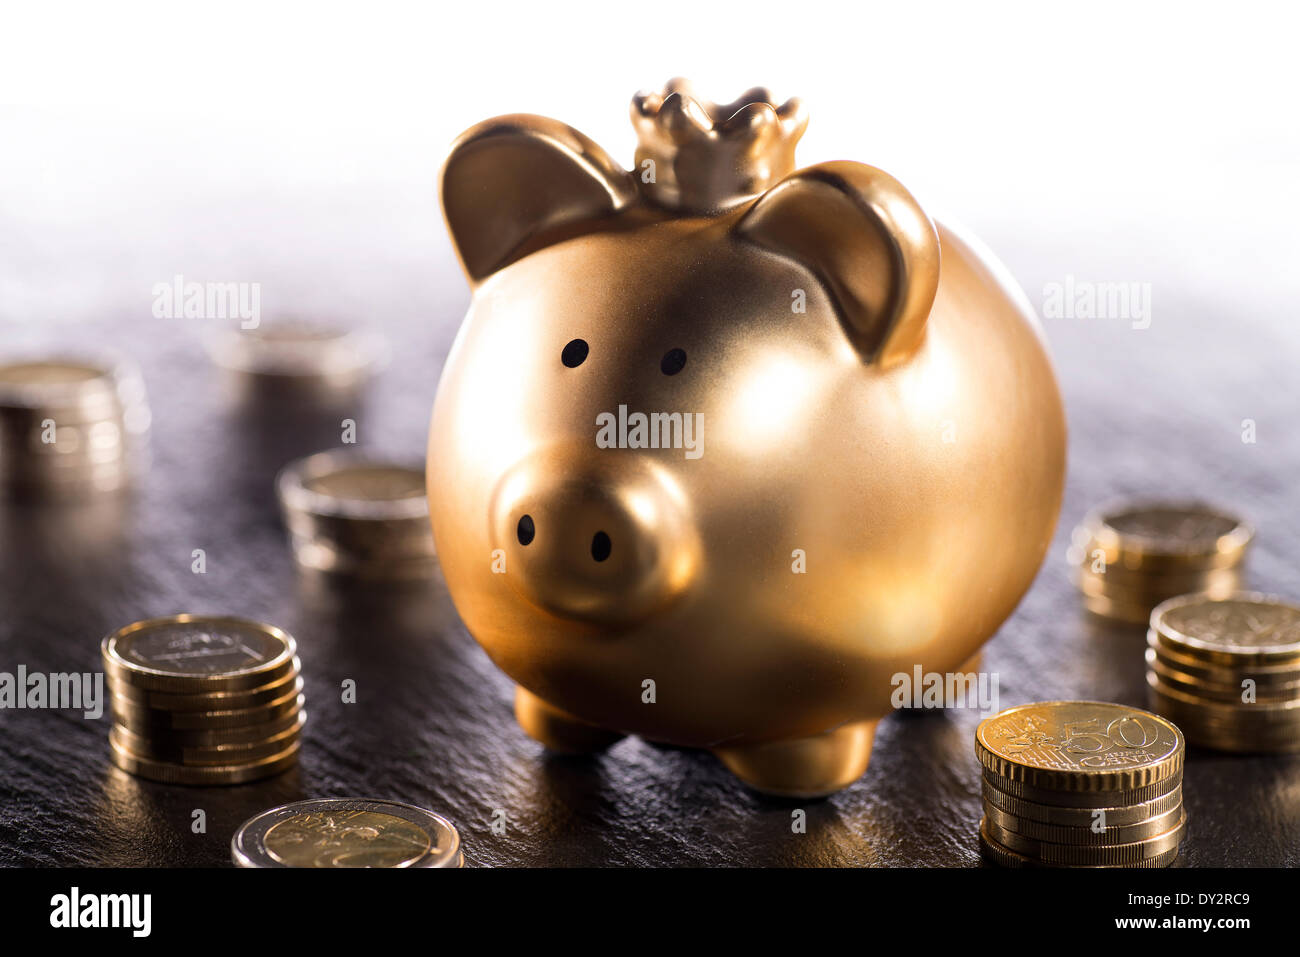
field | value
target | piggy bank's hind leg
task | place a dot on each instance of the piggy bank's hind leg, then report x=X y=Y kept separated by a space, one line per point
x=804 y=767
x=558 y=730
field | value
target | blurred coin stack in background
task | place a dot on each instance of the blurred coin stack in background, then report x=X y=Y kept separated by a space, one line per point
x=1228 y=670
x=204 y=700
x=353 y=514
x=1080 y=784
x=70 y=427
x=296 y=363
x=1129 y=558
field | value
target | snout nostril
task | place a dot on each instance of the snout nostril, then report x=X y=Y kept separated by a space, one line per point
x=601 y=546
x=525 y=530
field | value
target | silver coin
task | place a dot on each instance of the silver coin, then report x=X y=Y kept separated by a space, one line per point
x=71 y=425
x=292 y=362
x=354 y=484
x=347 y=832
x=355 y=513
x=197 y=653
x=71 y=387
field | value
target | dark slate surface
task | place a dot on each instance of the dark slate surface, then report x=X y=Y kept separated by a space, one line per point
x=1151 y=411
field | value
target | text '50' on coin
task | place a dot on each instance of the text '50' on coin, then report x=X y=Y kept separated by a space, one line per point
x=1080 y=746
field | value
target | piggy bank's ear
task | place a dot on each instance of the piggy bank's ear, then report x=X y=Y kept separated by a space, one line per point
x=866 y=238
x=517 y=183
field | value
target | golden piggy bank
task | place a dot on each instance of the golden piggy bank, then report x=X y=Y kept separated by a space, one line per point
x=723 y=446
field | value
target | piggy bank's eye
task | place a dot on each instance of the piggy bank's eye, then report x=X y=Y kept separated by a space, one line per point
x=574 y=353
x=525 y=530
x=673 y=362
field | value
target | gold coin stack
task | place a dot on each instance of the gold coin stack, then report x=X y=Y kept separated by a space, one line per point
x=352 y=514
x=1080 y=784
x=1228 y=670
x=70 y=427
x=203 y=700
x=1129 y=558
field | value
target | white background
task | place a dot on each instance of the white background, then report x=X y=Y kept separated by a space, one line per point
x=1098 y=140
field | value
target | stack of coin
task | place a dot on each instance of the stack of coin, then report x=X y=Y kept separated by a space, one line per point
x=1081 y=784
x=354 y=514
x=1129 y=558
x=295 y=362
x=70 y=427
x=1228 y=670
x=203 y=700
x=347 y=832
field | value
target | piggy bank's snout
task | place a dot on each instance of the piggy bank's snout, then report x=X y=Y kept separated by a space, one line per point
x=608 y=541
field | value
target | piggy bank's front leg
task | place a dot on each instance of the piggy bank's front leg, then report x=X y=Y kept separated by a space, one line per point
x=804 y=767
x=558 y=730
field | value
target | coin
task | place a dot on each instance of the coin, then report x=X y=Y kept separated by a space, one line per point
x=1120 y=814
x=1228 y=670
x=1278 y=675
x=1165 y=537
x=293 y=362
x=1240 y=742
x=368 y=484
x=1080 y=746
x=1106 y=832
x=1269 y=738
x=203 y=699
x=168 y=772
x=356 y=514
x=1215 y=690
x=1054 y=771
x=70 y=390
x=297 y=348
x=1073 y=855
x=1084 y=799
x=206 y=700
x=1245 y=629
x=218 y=736
x=45 y=373
x=1130 y=557
x=1139 y=585
x=1250 y=726
x=225 y=753
x=69 y=449
x=1260 y=710
x=1134 y=588
x=355 y=485
x=151 y=722
x=347 y=832
x=198 y=653
x=70 y=426
x=1005 y=857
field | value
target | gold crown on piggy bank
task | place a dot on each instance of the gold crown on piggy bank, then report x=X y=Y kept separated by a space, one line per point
x=693 y=154
x=873 y=465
